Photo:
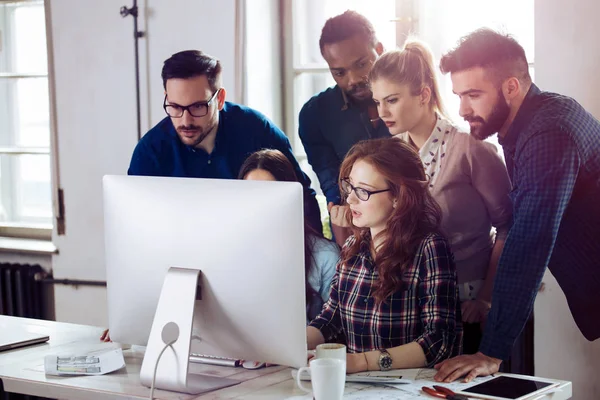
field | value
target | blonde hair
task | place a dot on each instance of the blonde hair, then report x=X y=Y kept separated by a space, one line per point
x=412 y=65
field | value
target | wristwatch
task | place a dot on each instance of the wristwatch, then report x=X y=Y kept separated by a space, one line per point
x=385 y=360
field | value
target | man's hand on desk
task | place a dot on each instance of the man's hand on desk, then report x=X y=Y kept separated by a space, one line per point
x=470 y=366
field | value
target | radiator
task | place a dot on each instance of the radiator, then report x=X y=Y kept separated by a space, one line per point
x=22 y=294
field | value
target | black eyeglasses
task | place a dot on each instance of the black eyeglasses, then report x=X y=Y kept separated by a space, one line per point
x=199 y=109
x=362 y=194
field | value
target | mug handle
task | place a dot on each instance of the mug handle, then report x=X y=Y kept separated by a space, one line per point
x=298 y=381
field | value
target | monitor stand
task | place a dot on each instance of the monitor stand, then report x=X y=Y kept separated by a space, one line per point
x=173 y=321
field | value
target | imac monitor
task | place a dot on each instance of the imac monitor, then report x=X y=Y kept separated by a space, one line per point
x=246 y=238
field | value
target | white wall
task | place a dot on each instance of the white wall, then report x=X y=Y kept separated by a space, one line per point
x=95 y=111
x=177 y=25
x=567 y=56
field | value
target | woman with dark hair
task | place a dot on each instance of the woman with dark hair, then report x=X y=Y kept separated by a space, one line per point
x=320 y=254
x=394 y=296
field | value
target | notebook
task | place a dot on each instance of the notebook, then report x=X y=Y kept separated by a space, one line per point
x=15 y=338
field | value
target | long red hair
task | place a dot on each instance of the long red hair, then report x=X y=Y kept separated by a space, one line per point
x=416 y=215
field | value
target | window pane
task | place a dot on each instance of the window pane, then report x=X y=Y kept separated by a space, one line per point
x=25 y=188
x=32 y=127
x=29 y=52
x=35 y=203
x=309 y=16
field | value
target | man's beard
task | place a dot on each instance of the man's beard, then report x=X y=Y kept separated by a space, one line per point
x=203 y=133
x=359 y=87
x=494 y=122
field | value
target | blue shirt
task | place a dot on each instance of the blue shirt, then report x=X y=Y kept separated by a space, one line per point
x=324 y=258
x=329 y=125
x=241 y=132
x=552 y=151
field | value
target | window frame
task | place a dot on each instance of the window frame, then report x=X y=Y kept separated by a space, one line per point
x=10 y=186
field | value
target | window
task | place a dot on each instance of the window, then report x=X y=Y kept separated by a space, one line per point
x=25 y=189
x=439 y=23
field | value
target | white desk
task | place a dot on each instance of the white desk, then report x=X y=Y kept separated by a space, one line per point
x=22 y=371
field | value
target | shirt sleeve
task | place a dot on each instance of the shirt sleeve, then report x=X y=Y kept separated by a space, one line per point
x=277 y=140
x=143 y=161
x=319 y=152
x=438 y=301
x=490 y=178
x=328 y=260
x=329 y=322
x=545 y=174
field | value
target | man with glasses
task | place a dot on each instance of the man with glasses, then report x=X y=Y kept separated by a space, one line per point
x=204 y=136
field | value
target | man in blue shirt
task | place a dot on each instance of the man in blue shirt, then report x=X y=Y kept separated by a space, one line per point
x=552 y=151
x=204 y=136
x=331 y=122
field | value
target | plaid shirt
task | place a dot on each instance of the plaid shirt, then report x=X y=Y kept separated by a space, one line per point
x=425 y=310
x=552 y=152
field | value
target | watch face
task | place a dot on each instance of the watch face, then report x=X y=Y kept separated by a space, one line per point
x=385 y=361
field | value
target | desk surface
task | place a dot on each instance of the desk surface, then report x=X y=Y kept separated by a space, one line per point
x=22 y=371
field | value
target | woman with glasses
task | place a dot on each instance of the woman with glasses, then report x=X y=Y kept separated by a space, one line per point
x=394 y=296
x=320 y=255
x=466 y=176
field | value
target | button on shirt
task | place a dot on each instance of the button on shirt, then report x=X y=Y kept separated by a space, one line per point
x=552 y=152
x=241 y=132
x=329 y=125
x=425 y=310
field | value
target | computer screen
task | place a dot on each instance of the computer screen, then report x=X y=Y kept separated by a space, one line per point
x=246 y=237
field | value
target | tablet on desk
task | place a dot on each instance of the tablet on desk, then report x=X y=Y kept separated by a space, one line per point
x=509 y=388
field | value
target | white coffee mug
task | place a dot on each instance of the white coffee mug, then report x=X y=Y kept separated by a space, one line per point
x=328 y=377
x=331 y=350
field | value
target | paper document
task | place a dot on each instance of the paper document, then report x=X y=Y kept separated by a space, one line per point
x=92 y=364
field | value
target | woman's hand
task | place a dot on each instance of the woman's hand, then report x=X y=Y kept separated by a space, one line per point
x=337 y=214
x=105 y=337
x=356 y=362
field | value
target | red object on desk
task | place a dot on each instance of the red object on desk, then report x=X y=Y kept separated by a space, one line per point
x=443 y=393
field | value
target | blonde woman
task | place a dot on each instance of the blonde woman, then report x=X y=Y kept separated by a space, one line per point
x=467 y=177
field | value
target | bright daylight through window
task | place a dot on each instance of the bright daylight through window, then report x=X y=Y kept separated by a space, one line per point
x=25 y=190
